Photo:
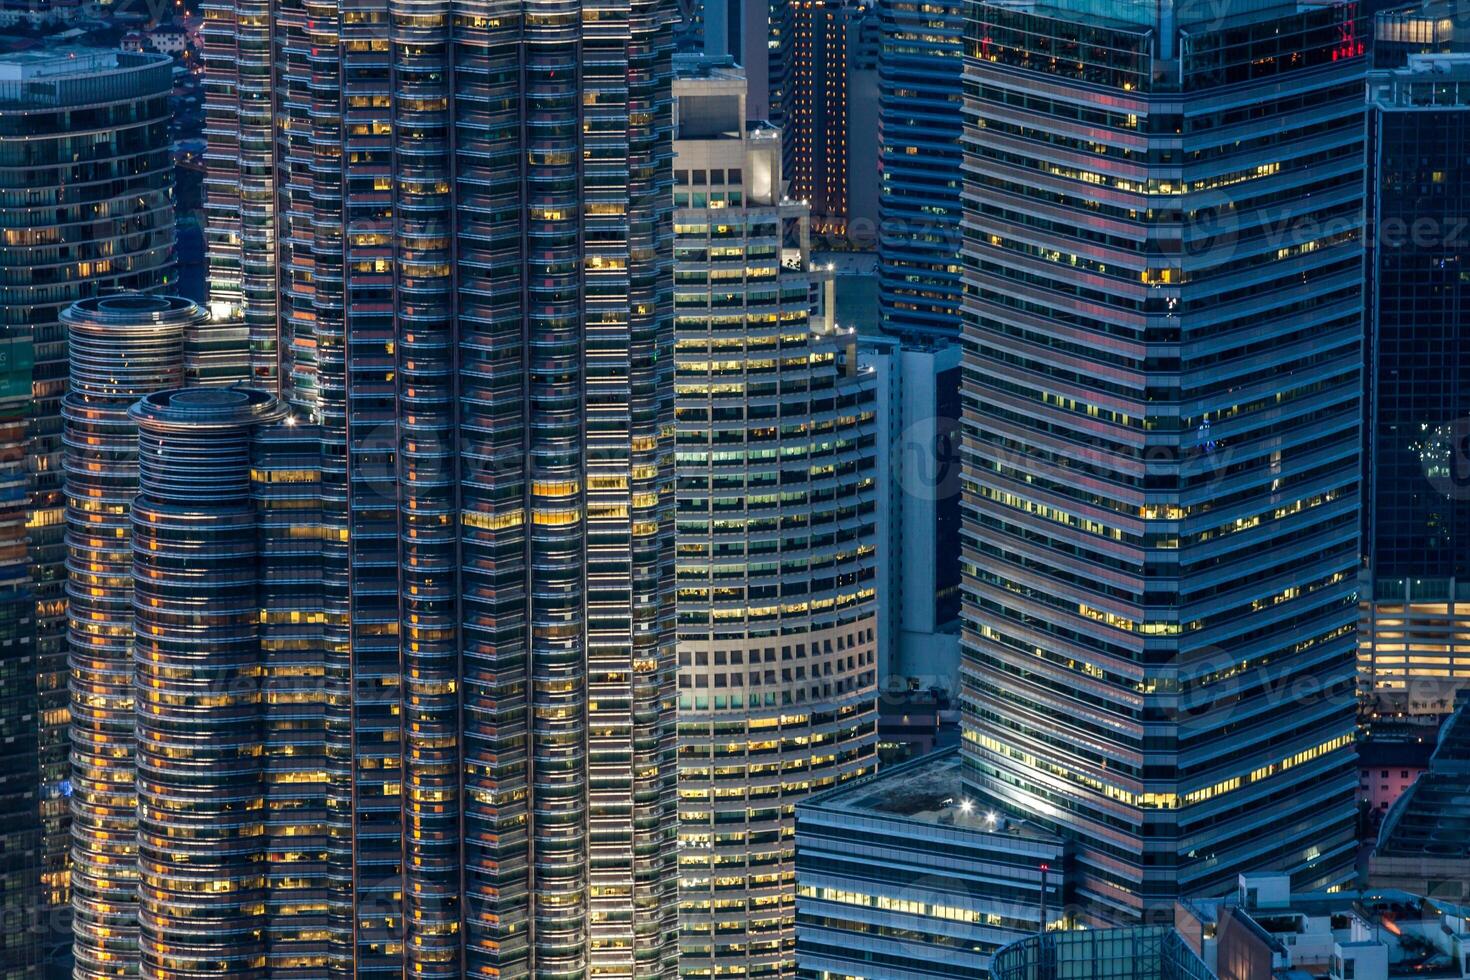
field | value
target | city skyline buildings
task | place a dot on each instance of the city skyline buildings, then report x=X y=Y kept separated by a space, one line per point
x=1162 y=402
x=434 y=286
x=813 y=68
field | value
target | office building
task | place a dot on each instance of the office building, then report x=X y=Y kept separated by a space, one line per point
x=904 y=876
x=469 y=276
x=87 y=207
x=920 y=116
x=776 y=536
x=1414 y=650
x=1162 y=400
x=741 y=30
x=201 y=859
x=122 y=348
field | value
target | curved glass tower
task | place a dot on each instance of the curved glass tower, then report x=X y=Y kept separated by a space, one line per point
x=122 y=348
x=776 y=531
x=1162 y=398
x=86 y=200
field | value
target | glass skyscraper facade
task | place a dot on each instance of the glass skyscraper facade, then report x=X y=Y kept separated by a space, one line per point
x=86 y=204
x=920 y=118
x=776 y=558
x=1415 y=647
x=1162 y=401
x=448 y=229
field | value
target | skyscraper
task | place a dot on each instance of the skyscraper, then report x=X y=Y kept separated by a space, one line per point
x=86 y=176
x=1162 y=383
x=920 y=117
x=1415 y=645
x=122 y=347
x=776 y=537
x=462 y=277
x=202 y=865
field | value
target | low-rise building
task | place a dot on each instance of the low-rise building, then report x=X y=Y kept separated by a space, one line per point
x=1388 y=766
x=1267 y=932
x=1138 y=953
x=904 y=877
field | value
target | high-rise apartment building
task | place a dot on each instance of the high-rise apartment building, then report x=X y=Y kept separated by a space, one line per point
x=449 y=233
x=86 y=179
x=1162 y=400
x=1415 y=643
x=776 y=538
x=920 y=117
x=776 y=557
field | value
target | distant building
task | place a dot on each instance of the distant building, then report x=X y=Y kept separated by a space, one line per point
x=86 y=199
x=903 y=876
x=1424 y=843
x=908 y=723
x=36 y=15
x=919 y=586
x=864 y=173
x=920 y=106
x=1265 y=931
x=818 y=35
x=741 y=30
x=1389 y=766
x=169 y=39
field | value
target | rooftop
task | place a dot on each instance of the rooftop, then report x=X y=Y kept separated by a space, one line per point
x=55 y=76
x=28 y=66
x=1421 y=937
x=928 y=790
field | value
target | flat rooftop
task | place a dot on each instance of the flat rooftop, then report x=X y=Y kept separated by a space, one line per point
x=928 y=790
x=25 y=66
